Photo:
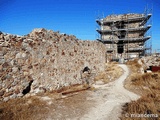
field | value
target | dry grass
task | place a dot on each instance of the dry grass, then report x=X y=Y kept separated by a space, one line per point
x=35 y=108
x=145 y=105
x=134 y=65
x=21 y=109
x=111 y=73
x=148 y=86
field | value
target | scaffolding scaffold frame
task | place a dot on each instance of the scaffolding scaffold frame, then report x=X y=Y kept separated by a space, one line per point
x=121 y=28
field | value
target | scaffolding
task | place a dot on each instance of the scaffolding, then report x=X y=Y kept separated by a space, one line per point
x=127 y=35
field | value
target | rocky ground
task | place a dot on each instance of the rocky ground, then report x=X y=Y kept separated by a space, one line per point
x=100 y=103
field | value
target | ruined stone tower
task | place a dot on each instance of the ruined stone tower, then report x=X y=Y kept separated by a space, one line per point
x=124 y=35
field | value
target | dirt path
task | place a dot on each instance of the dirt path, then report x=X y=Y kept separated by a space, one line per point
x=104 y=103
x=109 y=99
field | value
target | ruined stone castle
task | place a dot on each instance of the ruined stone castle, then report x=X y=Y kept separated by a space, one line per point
x=45 y=60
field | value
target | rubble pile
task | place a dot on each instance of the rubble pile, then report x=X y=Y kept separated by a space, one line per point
x=151 y=61
x=123 y=16
x=44 y=61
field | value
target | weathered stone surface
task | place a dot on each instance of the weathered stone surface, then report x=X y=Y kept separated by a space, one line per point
x=99 y=82
x=150 y=61
x=2 y=93
x=14 y=69
x=52 y=60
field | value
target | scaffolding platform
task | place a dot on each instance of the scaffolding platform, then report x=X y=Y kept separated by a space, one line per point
x=137 y=49
x=146 y=19
x=125 y=40
x=110 y=50
x=127 y=29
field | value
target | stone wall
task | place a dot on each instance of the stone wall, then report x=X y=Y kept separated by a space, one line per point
x=123 y=16
x=44 y=61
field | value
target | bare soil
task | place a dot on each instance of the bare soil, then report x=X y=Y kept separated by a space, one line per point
x=110 y=98
x=47 y=107
x=101 y=102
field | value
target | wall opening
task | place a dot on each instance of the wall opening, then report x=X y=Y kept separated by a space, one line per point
x=120 y=47
x=28 y=88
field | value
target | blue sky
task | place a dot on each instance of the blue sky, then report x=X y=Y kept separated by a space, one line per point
x=75 y=17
